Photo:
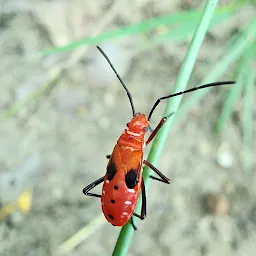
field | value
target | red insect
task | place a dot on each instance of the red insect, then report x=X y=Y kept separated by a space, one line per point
x=123 y=180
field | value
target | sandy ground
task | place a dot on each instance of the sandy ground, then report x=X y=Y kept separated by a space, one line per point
x=57 y=143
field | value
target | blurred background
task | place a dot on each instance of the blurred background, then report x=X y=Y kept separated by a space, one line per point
x=62 y=110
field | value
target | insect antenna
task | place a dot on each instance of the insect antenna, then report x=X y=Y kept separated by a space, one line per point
x=119 y=78
x=189 y=90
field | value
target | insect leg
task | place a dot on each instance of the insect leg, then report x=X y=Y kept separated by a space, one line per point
x=91 y=186
x=142 y=215
x=133 y=224
x=161 y=123
x=162 y=177
x=144 y=203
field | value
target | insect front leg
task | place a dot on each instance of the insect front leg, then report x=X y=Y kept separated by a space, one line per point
x=162 y=177
x=91 y=186
x=154 y=132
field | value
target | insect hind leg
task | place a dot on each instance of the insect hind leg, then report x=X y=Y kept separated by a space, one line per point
x=162 y=178
x=91 y=186
x=143 y=211
x=133 y=224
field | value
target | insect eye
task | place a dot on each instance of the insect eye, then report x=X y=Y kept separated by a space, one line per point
x=131 y=178
x=145 y=129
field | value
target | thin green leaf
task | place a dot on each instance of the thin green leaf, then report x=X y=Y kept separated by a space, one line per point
x=248 y=117
x=179 y=33
x=145 y=26
x=127 y=231
x=235 y=91
x=32 y=96
x=221 y=68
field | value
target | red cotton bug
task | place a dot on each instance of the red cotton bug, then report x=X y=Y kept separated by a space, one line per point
x=123 y=180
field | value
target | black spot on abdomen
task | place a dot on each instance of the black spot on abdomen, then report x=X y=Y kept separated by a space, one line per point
x=111 y=216
x=111 y=170
x=131 y=178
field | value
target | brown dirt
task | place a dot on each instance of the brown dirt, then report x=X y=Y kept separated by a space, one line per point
x=77 y=122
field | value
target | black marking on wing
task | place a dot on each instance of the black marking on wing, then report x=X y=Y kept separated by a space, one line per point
x=111 y=170
x=132 y=178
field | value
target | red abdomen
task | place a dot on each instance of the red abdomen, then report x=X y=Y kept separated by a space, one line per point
x=122 y=184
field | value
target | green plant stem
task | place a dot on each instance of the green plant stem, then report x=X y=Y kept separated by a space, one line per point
x=125 y=236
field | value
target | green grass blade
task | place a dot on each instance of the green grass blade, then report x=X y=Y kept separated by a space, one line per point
x=179 y=33
x=236 y=90
x=221 y=68
x=182 y=28
x=187 y=17
x=232 y=96
x=127 y=231
x=248 y=118
x=32 y=96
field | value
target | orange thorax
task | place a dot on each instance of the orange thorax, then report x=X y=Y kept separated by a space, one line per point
x=133 y=135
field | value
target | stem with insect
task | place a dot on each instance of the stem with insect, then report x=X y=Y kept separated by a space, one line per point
x=126 y=233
